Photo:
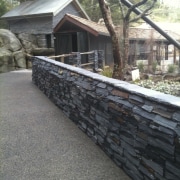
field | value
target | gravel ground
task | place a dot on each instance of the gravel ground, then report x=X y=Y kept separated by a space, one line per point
x=37 y=141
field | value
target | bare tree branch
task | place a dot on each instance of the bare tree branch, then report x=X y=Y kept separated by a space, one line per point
x=130 y=10
x=121 y=9
x=144 y=13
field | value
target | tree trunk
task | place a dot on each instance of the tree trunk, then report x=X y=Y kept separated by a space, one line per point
x=126 y=42
x=118 y=66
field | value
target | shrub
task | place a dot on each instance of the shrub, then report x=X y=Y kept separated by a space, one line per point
x=141 y=67
x=154 y=66
x=172 y=68
x=108 y=72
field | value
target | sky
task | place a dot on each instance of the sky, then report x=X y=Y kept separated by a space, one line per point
x=172 y=3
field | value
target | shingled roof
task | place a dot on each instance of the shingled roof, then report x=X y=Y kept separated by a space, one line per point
x=88 y=25
x=41 y=8
x=99 y=29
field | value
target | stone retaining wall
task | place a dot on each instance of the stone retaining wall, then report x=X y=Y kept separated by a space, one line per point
x=138 y=128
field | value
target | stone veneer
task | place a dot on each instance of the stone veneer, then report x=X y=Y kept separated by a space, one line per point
x=138 y=128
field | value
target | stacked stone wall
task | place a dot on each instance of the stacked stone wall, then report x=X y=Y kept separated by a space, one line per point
x=139 y=129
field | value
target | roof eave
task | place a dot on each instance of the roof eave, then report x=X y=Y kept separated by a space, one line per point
x=77 y=23
x=78 y=5
x=27 y=16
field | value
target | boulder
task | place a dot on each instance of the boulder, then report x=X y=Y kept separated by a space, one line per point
x=11 y=52
x=9 y=41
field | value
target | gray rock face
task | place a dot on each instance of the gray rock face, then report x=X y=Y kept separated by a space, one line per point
x=11 y=52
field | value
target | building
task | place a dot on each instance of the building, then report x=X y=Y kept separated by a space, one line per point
x=76 y=34
x=39 y=18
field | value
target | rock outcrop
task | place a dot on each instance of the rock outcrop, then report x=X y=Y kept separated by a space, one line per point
x=11 y=52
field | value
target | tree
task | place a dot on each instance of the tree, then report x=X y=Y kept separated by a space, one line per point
x=121 y=52
x=4 y=7
x=106 y=14
x=92 y=9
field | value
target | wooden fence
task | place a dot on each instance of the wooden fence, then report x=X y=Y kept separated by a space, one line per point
x=95 y=59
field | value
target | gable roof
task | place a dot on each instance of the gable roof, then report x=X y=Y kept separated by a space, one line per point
x=88 y=25
x=42 y=8
x=150 y=33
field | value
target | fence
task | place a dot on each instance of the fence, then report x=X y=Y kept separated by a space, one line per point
x=95 y=59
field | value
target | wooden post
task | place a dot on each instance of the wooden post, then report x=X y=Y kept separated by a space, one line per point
x=101 y=61
x=95 y=60
x=166 y=51
x=75 y=59
x=174 y=55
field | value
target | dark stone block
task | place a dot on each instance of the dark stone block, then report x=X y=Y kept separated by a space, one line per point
x=103 y=130
x=163 y=113
x=146 y=172
x=176 y=116
x=159 y=177
x=132 y=159
x=158 y=154
x=84 y=125
x=156 y=167
x=119 y=164
x=166 y=138
x=136 y=98
x=84 y=85
x=144 y=127
x=163 y=130
x=100 y=139
x=92 y=94
x=177 y=130
x=162 y=145
x=92 y=122
x=102 y=120
x=116 y=148
x=143 y=113
x=129 y=148
x=114 y=137
x=173 y=168
x=126 y=104
x=103 y=105
x=147 y=108
x=140 y=146
x=114 y=98
x=90 y=131
x=102 y=92
x=165 y=122
x=102 y=85
x=132 y=174
x=108 y=151
x=134 y=169
x=122 y=94
x=177 y=156
x=120 y=158
x=127 y=138
x=170 y=176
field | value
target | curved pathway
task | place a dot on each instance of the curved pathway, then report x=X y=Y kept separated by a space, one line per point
x=37 y=141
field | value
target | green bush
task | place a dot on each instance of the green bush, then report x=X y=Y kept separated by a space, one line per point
x=108 y=72
x=154 y=66
x=172 y=68
x=141 y=67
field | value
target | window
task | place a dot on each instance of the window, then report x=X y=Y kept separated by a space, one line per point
x=48 y=40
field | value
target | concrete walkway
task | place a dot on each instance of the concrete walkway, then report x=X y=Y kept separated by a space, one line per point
x=37 y=141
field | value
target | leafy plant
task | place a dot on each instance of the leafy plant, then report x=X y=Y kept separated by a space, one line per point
x=172 y=68
x=108 y=72
x=154 y=66
x=141 y=67
x=166 y=86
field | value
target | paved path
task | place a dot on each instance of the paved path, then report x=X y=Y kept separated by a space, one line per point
x=37 y=141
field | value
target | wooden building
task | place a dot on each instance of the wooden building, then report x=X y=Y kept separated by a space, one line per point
x=76 y=34
x=40 y=17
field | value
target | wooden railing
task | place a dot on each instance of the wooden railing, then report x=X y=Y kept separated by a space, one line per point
x=95 y=59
